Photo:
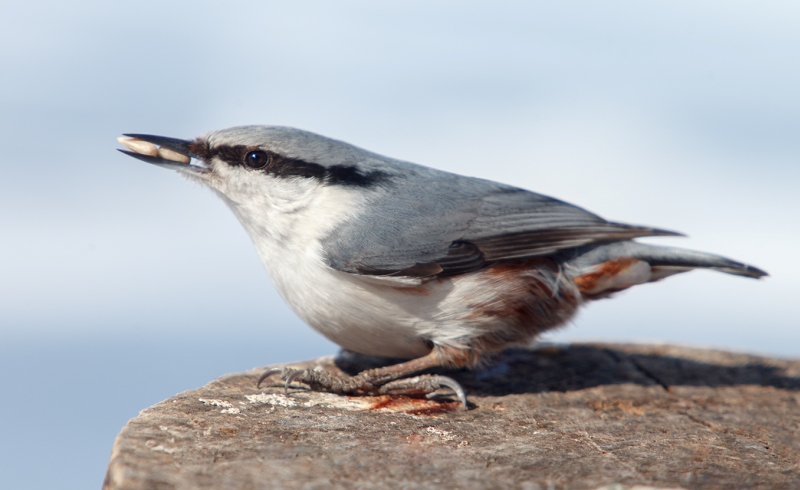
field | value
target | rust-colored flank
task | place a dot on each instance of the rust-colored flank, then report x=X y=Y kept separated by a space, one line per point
x=587 y=283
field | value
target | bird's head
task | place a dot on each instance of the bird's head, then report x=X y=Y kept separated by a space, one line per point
x=263 y=171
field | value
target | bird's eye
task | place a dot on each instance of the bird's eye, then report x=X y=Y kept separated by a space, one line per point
x=256 y=159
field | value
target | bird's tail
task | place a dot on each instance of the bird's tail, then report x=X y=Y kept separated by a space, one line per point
x=604 y=269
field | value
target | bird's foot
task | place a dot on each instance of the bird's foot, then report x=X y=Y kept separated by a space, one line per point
x=370 y=382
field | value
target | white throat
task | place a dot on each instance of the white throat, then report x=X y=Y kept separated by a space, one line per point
x=287 y=219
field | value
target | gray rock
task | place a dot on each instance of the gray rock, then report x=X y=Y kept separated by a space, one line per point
x=578 y=416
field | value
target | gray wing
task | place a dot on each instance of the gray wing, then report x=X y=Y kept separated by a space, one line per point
x=437 y=223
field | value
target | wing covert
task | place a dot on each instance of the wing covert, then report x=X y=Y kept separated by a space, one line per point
x=407 y=232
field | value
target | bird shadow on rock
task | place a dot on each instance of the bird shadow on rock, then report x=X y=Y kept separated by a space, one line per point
x=577 y=367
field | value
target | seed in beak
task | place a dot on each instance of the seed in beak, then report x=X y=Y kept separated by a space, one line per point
x=149 y=149
x=173 y=156
x=139 y=146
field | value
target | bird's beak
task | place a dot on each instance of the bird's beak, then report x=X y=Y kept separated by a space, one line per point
x=166 y=152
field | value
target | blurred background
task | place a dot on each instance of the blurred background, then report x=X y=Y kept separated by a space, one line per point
x=121 y=284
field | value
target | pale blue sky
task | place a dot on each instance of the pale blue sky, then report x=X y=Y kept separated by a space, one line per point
x=681 y=115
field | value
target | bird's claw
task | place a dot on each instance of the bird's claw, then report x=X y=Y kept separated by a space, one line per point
x=427 y=384
x=364 y=383
x=267 y=374
x=287 y=375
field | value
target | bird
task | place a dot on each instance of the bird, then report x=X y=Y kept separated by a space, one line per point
x=393 y=259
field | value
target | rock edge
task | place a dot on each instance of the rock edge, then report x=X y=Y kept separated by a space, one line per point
x=571 y=416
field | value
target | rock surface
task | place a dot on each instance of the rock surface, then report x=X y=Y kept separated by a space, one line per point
x=577 y=416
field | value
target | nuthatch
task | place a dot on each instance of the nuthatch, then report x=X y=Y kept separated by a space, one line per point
x=392 y=259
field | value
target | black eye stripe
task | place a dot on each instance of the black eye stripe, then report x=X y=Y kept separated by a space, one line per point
x=286 y=167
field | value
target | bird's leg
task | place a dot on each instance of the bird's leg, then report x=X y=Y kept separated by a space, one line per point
x=392 y=379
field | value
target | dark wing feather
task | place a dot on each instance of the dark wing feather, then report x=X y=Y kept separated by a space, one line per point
x=470 y=224
x=518 y=224
x=545 y=242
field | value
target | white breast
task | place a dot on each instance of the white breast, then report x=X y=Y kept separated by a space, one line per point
x=375 y=316
x=356 y=314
